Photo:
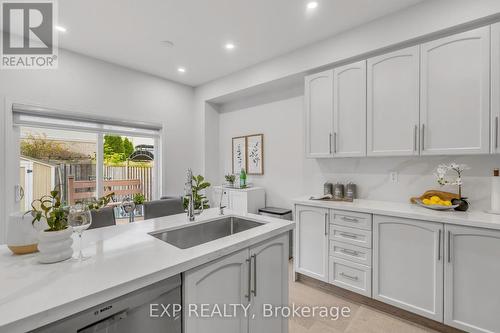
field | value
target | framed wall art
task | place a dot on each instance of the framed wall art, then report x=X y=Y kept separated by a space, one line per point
x=255 y=154
x=239 y=154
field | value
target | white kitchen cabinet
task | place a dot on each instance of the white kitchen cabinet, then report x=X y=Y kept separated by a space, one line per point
x=311 y=242
x=393 y=103
x=455 y=94
x=269 y=284
x=495 y=88
x=349 y=110
x=225 y=281
x=408 y=265
x=247 y=200
x=254 y=276
x=318 y=98
x=472 y=277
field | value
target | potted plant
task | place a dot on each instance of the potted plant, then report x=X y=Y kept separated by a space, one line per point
x=230 y=179
x=441 y=172
x=200 y=200
x=139 y=199
x=54 y=242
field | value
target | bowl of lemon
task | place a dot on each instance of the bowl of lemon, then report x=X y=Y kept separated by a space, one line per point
x=436 y=203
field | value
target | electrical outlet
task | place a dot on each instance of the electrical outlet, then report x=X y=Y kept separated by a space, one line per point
x=393 y=176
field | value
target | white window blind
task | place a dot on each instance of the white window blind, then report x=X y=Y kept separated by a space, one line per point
x=32 y=116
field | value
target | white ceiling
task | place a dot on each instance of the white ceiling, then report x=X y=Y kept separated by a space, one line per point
x=129 y=32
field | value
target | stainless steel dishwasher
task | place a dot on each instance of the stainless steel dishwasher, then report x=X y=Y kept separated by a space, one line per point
x=129 y=313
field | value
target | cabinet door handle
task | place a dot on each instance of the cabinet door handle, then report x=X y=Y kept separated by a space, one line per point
x=254 y=291
x=449 y=246
x=415 y=130
x=330 y=142
x=496 y=132
x=326 y=224
x=423 y=138
x=249 y=295
x=348 y=235
x=351 y=252
x=439 y=245
x=354 y=278
x=335 y=142
x=350 y=219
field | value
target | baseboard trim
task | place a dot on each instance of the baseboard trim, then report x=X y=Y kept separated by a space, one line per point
x=406 y=315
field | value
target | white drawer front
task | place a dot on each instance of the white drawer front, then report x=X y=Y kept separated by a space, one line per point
x=351 y=276
x=351 y=252
x=353 y=236
x=352 y=219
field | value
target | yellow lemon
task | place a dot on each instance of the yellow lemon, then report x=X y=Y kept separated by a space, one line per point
x=435 y=198
x=447 y=203
x=426 y=202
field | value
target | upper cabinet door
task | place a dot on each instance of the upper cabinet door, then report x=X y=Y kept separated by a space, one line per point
x=393 y=103
x=495 y=88
x=319 y=114
x=455 y=94
x=349 y=110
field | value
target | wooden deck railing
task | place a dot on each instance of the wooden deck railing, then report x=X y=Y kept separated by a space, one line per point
x=79 y=190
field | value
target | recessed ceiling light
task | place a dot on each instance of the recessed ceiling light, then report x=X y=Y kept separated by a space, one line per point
x=60 y=28
x=312 y=5
x=181 y=70
x=229 y=46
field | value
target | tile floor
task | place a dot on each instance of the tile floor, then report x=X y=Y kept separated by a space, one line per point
x=363 y=319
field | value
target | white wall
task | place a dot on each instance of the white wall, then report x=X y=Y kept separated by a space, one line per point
x=288 y=174
x=86 y=85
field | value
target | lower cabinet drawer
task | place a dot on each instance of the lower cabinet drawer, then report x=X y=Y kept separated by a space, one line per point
x=351 y=276
x=351 y=252
x=353 y=236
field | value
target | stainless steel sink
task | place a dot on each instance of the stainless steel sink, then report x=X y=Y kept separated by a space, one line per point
x=197 y=234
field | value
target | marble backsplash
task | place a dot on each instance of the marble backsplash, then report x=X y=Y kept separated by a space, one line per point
x=415 y=176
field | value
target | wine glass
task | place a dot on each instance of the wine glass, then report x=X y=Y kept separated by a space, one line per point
x=80 y=218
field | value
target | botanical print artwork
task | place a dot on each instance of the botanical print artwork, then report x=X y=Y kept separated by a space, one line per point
x=255 y=154
x=239 y=154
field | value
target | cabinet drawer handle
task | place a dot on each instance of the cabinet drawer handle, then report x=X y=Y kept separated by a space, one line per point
x=326 y=224
x=249 y=295
x=254 y=291
x=348 y=235
x=349 y=219
x=351 y=252
x=354 y=278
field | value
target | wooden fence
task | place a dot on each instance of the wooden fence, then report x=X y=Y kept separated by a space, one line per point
x=86 y=172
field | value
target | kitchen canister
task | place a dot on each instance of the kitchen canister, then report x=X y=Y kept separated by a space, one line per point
x=328 y=188
x=350 y=191
x=338 y=191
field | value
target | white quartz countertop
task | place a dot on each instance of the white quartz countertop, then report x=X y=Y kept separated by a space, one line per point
x=407 y=210
x=122 y=259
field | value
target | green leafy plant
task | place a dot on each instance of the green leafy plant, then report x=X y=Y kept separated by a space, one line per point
x=230 y=178
x=52 y=210
x=199 y=198
x=55 y=213
x=139 y=198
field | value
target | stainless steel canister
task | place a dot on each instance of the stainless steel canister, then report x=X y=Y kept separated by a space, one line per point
x=350 y=191
x=338 y=191
x=327 y=188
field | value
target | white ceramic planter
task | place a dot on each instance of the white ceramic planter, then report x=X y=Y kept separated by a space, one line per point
x=22 y=235
x=55 y=246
